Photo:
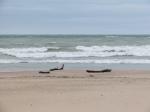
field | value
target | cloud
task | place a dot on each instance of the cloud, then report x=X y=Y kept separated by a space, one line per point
x=68 y=16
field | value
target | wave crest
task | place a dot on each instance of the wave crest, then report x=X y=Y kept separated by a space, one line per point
x=103 y=61
x=81 y=51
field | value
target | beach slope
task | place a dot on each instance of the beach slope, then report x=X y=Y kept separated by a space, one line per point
x=75 y=91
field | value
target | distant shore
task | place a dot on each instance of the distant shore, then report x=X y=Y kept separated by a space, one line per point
x=75 y=91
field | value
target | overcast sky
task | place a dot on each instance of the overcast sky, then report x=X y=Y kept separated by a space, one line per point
x=74 y=16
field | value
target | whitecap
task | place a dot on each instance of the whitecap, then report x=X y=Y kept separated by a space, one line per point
x=81 y=51
x=102 y=61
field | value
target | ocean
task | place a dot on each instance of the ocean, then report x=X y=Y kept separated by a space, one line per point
x=35 y=52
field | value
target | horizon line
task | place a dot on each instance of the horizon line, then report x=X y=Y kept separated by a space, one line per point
x=74 y=34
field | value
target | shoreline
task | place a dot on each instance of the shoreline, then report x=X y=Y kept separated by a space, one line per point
x=69 y=73
x=81 y=66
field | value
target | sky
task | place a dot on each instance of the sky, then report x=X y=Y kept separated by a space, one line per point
x=74 y=16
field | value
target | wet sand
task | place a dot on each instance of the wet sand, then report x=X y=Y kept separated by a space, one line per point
x=75 y=91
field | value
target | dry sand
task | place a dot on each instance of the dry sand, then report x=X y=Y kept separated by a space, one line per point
x=75 y=91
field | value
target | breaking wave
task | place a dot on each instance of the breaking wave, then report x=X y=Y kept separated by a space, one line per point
x=80 y=51
x=25 y=51
x=103 y=61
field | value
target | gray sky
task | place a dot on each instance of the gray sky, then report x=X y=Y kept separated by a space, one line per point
x=74 y=16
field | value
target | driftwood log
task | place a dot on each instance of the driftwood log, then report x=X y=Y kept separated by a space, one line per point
x=98 y=71
x=44 y=71
x=53 y=69
x=57 y=68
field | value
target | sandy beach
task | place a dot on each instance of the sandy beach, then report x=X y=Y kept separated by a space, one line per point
x=75 y=91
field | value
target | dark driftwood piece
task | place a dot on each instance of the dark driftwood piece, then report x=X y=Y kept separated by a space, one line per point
x=98 y=71
x=57 y=68
x=53 y=69
x=44 y=72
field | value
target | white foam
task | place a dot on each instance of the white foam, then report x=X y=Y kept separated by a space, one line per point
x=7 y=61
x=25 y=51
x=104 y=61
x=30 y=49
x=81 y=51
x=60 y=54
x=143 y=50
x=115 y=48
